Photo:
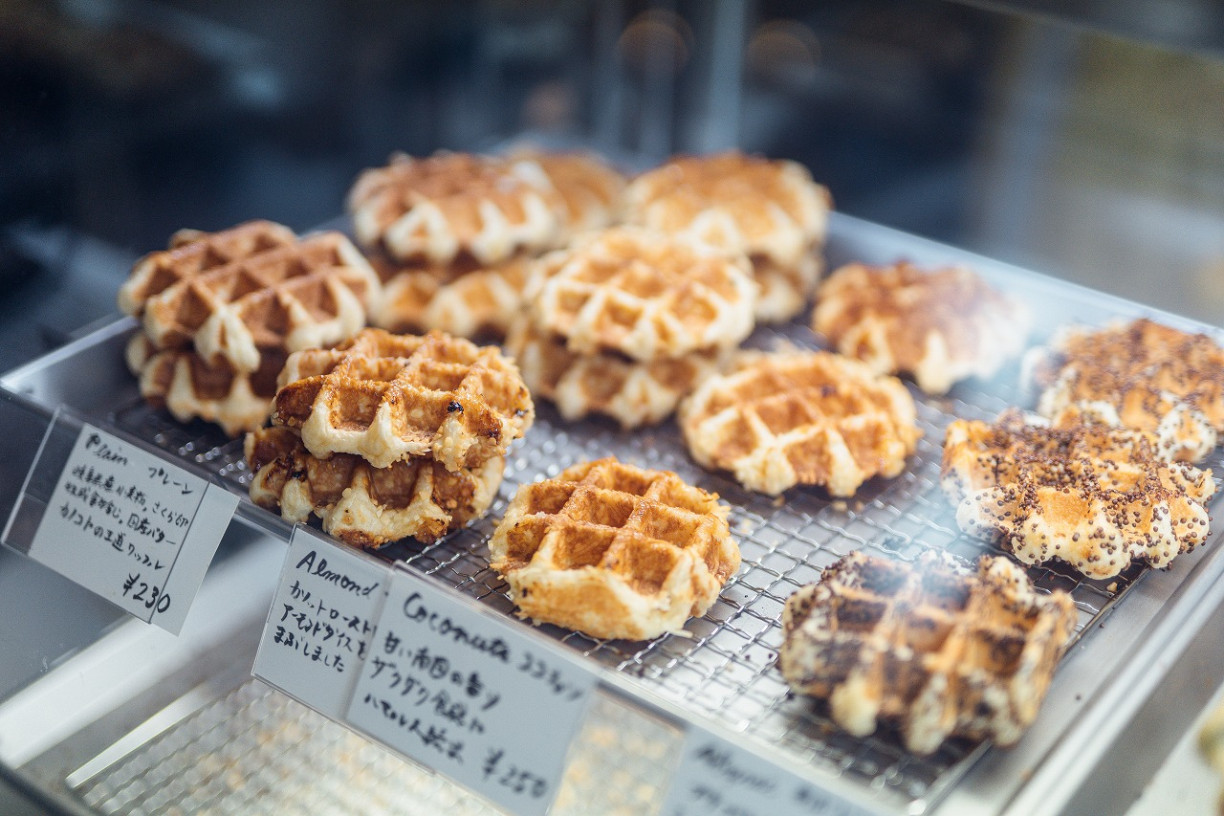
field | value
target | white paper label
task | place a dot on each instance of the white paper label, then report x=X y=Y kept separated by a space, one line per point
x=132 y=528
x=321 y=623
x=468 y=695
x=717 y=778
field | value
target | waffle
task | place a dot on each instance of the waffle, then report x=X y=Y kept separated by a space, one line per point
x=784 y=290
x=940 y=326
x=363 y=505
x=453 y=205
x=801 y=417
x=390 y=397
x=1154 y=378
x=934 y=647
x=642 y=294
x=1091 y=495
x=466 y=304
x=589 y=189
x=189 y=387
x=614 y=551
x=302 y=295
x=632 y=393
x=747 y=204
x=193 y=252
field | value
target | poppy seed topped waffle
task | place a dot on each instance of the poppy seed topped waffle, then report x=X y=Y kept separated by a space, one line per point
x=801 y=417
x=941 y=325
x=363 y=505
x=390 y=397
x=1094 y=496
x=190 y=387
x=1153 y=377
x=288 y=297
x=437 y=209
x=614 y=551
x=935 y=647
x=630 y=392
x=643 y=294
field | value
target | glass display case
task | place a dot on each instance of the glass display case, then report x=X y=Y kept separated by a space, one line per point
x=1072 y=154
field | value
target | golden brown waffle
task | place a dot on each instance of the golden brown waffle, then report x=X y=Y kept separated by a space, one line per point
x=439 y=209
x=480 y=302
x=363 y=505
x=390 y=397
x=935 y=647
x=614 y=551
x=590 y=190
x=1091 y=495
x=632 y=393
x=801 y=417
x=289 y=297
x=193 y=252
x=940 y=326
x=1151 y=376
x=642 y=294
x=189 y=387
x=784 y=290
x=747 y=204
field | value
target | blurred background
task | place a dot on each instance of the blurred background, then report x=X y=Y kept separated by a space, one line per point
x=1081 y=139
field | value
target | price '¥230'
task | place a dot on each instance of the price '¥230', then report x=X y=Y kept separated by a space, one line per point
x=132 y=527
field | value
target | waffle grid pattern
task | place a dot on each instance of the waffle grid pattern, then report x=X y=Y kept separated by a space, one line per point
x=726 y=672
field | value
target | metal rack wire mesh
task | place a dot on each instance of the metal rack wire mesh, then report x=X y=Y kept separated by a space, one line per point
x=255 y=751
x=726 y=670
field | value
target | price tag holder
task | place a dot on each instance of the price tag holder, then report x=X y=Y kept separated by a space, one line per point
x=132 y=527
x=322 y=621
x=455 y=688
x=718 y=778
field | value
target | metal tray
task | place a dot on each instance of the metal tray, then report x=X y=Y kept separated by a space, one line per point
x=724 y=673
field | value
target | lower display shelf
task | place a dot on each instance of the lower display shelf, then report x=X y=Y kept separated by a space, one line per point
x=722 y=675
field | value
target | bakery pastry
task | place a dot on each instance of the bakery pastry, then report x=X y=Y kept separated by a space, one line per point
x=389 y=397
x=935 y=647
x=800 y=417
x=589 y=189
x=631 y=392
x=438 y=209
x=190 y=387
x=614 y=551
x=642 y=294
x=289 y=297
x=363 y=505
x=940 y=326
x=1077 y=490
x=465 y=303
x=769 y=210
x=1153 y=377
x=193 y=252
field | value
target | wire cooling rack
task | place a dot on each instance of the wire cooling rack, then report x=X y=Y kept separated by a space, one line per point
x=725 y=671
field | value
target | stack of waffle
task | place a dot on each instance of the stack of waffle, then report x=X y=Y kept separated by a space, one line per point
x=451 y=234
x=614 y=551
x=388 y=436
x=625 y=321
x=769 y=210
x=222 y=311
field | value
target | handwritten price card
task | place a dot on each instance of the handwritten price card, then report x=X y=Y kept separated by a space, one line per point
x=468 y=695
x=321 y=622
x=132 y=528
x=717 y=778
